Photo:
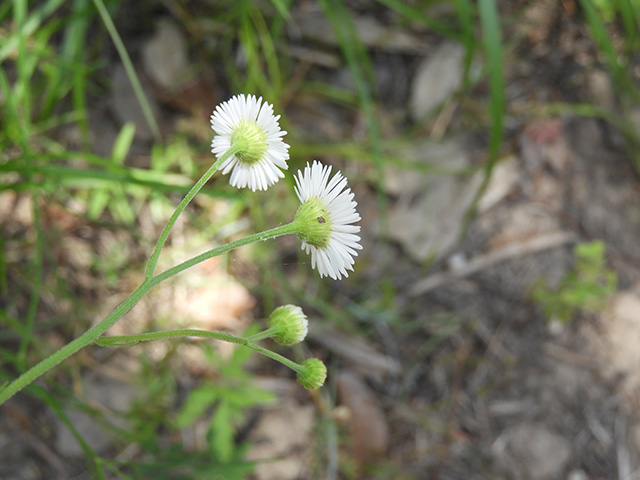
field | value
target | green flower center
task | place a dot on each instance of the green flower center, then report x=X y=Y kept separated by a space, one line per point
x=314 y=223
x=250 y=141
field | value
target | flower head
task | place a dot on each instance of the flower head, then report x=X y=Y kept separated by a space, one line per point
x=248 y=126
x=312 y=374
x=289 y=324
x=325 y=220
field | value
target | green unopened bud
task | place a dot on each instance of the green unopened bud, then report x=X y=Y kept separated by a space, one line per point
x=288 y=325
x=314 y=223
x=313 y=374
x=250 y=141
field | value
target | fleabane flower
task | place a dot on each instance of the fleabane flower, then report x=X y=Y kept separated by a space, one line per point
x=249 y=127
x=288 y=324
x=312 y=374
x=325 y=220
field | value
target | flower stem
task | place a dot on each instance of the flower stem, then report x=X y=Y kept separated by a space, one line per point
x=128 y=340
x=91 y=335
x=72 y=347
x=268 y=333
x=153 y=260
x=266 y=235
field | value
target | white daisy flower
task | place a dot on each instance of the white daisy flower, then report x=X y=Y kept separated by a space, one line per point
x=246 y=124
x=325 y=220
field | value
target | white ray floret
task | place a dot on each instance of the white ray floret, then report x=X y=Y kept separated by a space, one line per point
x=328 y=212
x=246 y=123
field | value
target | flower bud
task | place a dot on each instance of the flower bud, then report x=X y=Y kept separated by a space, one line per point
x=313 y=374
x=288 y=325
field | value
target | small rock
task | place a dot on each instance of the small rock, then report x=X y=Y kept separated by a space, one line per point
x=616 y=341
x=164 y=56
x=438 y=77
x=110 y=394
x=600 y=88
x=90 y=430
x=16 y=208
x=360 y=355
x=635 y=436
x=531 y=452
x=440 y=214
x=316 y=27
x=577 y=475
x=281 y=441
x=569 y=381
x=446 y=155
x=439 y=201
x=367 y=423
x=17 y=461
x=504 y=179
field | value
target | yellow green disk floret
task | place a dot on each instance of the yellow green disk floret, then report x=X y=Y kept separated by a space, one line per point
x=314 y=223
x=250 y=141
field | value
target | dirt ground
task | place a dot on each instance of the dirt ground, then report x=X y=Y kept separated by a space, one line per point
x=473 y=382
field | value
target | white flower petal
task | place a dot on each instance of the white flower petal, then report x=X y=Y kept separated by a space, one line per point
x=337 y=256
x=266 y=171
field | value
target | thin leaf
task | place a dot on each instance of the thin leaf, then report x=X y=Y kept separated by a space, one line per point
x=222 y=444
x=123 y=143
x=131 y=71
x=282 y=6
x=467 y=38
x=200 y=399
x=98 y=201
x=412 y=13
x=602 y=38
x=490 y=23
x=29 y=27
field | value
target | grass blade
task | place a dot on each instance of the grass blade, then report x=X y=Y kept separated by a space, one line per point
x=413 y=13
x=630 y=19
x=123 y=143
x=362 y=72
x=467 y=37
x=492 y=44
x=601 y=36
x=30 y=25
x=131 y=71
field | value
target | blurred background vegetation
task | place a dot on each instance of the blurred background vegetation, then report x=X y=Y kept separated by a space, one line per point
x=103 y=128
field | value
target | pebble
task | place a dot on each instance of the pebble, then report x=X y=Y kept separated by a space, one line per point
x=531 y=452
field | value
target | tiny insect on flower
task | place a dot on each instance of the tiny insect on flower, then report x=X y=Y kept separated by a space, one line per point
x=325 y=220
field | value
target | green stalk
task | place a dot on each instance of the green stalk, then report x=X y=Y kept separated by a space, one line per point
x=72 y=347
x=266 y=235
x=268 y=333
x=91 y=335
x=128 y=340
x=27 y=331
x=153 y=260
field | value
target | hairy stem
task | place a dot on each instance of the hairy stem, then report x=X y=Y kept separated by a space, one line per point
x=128 y=340
x=153 y=260
x=91 y=335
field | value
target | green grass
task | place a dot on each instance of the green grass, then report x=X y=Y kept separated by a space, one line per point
x=587 y=287
x=50 y=73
